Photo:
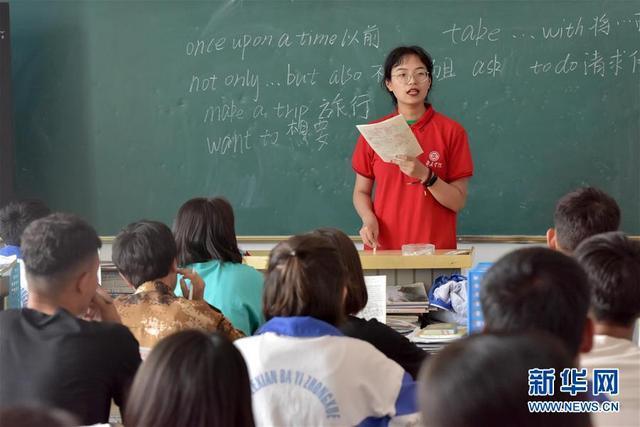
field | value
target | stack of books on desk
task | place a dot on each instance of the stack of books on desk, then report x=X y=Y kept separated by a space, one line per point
x=402 y=323
x=407 y=299
x=433 y=337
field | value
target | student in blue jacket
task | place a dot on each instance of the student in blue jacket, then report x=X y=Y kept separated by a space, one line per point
x=303 y=371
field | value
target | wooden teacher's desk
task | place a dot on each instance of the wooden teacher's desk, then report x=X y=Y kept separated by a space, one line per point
x=399 y=269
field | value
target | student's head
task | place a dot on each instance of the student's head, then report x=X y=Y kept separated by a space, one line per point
x=581 y=214
x=145 y=251
x=483 y=380
x=612 y=262
x=191 y=379
x=204 y=230
x=402 y=62
x=60 y=253
x=538 y=289
x=305 y=277
x=356 y=289
x=15 y=217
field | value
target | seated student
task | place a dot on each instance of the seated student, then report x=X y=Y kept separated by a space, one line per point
x=204 y=230
x=539 y=289
x=580 y=214
x=393 y=344
x=145 y=255
x=14 y=218
x=47 y=354
x=612 y=262
x=303 y=371
x=191 y=379
x=483 y=380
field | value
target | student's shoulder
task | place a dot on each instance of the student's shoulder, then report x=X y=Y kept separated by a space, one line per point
x=243 y=271
x=365 y=329
x=9 y=320
x=107 y=331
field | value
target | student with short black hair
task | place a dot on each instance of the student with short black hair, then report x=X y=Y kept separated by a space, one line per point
x=144 y=253
x=204 y=230
x=191 y=379
x=612 y=262
x=303 y=371
x=538 y=289
x=482 y=380
x=393 y=344
x=48 y=355
x=14 y=218
x=580 y=214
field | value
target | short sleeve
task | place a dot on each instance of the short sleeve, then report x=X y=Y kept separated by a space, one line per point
x=362 y=158
x=459 y=159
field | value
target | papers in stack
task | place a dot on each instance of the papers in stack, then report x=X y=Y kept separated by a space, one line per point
x=407 y=299
x=402 y=323
x=433 y=337
x=376 y=307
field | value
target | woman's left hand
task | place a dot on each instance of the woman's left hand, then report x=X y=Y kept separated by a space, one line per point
x=412 y=167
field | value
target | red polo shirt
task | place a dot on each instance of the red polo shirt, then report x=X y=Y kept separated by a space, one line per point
x=405 y=214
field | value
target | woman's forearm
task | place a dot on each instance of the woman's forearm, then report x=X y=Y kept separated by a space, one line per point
x=451 y=195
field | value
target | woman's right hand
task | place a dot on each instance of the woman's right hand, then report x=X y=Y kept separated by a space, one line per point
x=369 y=231
x=197 y=284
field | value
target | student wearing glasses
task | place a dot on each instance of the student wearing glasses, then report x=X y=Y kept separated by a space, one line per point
x=416 y=199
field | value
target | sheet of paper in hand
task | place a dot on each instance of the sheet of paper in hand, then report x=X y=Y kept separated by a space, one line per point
x=391 y=137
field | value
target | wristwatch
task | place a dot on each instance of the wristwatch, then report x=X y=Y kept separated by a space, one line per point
x=431 y=180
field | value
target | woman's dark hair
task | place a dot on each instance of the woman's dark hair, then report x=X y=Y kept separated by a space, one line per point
x=356 y=289
x=484 y=380
x=191 y=379
x=397 y=56
x=204 y=229
x=305 y=277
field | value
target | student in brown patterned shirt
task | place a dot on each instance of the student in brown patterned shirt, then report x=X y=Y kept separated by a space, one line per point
x=145 y=254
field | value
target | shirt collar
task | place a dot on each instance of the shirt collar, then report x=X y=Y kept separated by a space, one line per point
x=152 y=286
x=299 y=326
x=423 y=120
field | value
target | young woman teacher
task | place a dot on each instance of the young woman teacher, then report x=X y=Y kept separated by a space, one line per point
x=416 y=199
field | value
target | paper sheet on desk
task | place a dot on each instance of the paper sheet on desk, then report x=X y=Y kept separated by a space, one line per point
x=376 y=307
x=391 y=137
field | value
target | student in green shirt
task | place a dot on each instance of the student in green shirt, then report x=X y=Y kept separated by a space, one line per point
x=204 y=230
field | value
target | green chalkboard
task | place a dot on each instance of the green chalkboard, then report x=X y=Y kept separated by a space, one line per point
x=125 y=109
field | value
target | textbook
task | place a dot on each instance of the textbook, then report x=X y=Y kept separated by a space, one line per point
x=390 y=138
x=407 y=299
